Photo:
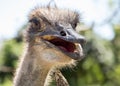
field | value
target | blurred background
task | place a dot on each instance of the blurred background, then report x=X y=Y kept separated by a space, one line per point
x=100 y=24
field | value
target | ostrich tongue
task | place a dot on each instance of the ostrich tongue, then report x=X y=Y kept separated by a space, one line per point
x=60 y=43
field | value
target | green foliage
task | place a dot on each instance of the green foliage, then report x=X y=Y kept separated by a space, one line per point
x=9 y=54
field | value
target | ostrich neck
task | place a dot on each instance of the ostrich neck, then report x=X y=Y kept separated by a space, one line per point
x=30 y=73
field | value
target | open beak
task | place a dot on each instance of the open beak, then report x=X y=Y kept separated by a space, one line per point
x=67 y=40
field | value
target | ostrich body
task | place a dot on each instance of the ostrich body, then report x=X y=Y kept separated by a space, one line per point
x=51 y=43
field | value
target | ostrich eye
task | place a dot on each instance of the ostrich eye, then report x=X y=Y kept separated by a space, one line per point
x=74 y=25
x=35 y=21
x=35 y=24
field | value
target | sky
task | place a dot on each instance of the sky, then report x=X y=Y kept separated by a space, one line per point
x=13 y=14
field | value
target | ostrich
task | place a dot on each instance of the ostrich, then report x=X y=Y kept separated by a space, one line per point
x=51 y=43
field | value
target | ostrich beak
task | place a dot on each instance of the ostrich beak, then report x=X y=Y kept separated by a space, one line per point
x=66 y=34
x=67 y=40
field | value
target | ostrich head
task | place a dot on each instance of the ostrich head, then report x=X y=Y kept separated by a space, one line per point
x=54 y=30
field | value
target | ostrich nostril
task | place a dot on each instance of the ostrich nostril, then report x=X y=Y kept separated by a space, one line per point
x=62 y=33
